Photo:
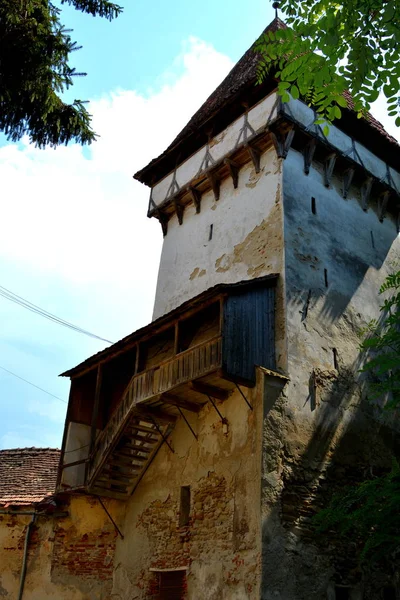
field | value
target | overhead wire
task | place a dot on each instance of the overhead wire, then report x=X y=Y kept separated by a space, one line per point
x=33 y=385
x=46 y=392
x=9 y=295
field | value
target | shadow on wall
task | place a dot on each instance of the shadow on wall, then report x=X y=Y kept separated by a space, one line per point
x=329 y=249
x=346 y=439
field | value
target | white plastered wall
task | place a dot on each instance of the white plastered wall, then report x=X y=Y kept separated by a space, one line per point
x=246 y=237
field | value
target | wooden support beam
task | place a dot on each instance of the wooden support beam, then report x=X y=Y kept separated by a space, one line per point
x=255 y=155
x=215 y=183
x=282 y=142
x=196 y=198
x=209 y=390
x=308 y=154
x=329 y=165
x=95 y=413
x=382 y=204
x=233 y=171
x=163 y=221
x=149 y=413
x=366 y=192
x=179 y=210
x=170 y=399
x=347 y=179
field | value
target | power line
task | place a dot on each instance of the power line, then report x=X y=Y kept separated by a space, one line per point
x=9 y=295
x=33 y=384
x=46 y=392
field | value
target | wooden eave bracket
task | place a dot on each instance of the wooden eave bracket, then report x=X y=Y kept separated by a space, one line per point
x=329 y=166
x=233 y=171
x=254 y=154
x=174 y=401
x=163 y=221
x=366 y=192
x=282 y=142
x=382 y=204
x=179 y=209
x=347 y=179
x=209 y=390
x=308 y=154
x=215 y=183
x=196 y=198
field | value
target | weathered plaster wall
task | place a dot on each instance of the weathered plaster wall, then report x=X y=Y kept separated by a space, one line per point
x=258 y=117
x=322 y=432
x=246 y=237
x=221 y=544
x=69 y=558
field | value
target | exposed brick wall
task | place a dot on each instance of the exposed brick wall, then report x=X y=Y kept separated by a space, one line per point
x=90 y=555
x=210 y=535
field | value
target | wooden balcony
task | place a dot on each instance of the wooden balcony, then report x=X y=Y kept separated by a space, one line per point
x=197 y=363
x=125 y=400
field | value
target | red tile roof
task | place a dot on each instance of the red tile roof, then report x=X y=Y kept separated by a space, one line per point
x=27 y=475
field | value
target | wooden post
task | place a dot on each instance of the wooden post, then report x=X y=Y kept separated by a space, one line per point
x=95 y=413
x=137 y=359
x=176 y=338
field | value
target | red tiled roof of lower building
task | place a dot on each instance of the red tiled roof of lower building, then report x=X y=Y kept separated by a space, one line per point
x=27 y=475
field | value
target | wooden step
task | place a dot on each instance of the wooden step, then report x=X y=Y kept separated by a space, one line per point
x=126 y=455
x=135 y=448
x=97 y=490
x=140 y=436
x=108 y=481
x=120 y=462
x=106 y=474
x=143 y=428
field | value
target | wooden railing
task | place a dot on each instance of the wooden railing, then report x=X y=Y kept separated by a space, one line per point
x=183 y=367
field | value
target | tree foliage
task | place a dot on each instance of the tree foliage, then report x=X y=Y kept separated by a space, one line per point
x=332 y=46
x=369 y=513
x=370 y=510
x=35 y=70
x=382 y=344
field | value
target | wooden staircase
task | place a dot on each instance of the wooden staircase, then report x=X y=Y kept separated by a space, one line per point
x=127 y=461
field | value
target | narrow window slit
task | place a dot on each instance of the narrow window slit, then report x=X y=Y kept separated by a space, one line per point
x=211 y=232
x=184 y=513
x=335 y=359
x=313 y=206
x=326 y=277
x=372 y=240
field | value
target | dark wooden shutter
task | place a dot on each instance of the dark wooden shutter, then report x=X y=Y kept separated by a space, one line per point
x=173 y=585
x=249 y=332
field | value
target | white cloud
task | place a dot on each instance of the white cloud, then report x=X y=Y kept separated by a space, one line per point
x=76 y=240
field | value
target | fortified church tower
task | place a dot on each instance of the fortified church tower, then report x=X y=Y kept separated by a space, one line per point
x=223 y=425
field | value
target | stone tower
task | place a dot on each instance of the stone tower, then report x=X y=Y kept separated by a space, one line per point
x=223 y=425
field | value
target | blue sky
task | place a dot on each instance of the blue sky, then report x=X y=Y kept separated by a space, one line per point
x=75 y=238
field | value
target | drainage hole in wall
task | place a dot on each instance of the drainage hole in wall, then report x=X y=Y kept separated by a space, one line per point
x=211 y=232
